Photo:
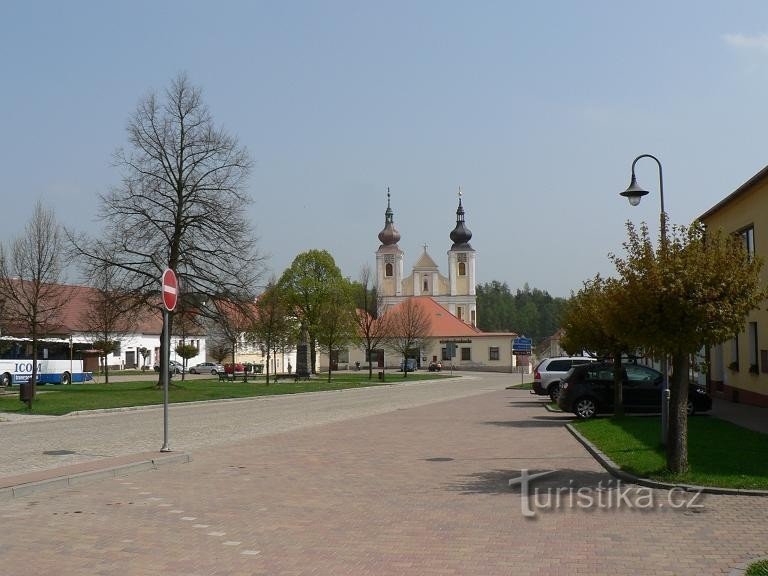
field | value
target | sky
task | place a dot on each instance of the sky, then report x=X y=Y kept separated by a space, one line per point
x=535 y=109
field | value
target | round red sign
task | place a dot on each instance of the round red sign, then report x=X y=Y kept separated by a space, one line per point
x=170 y=289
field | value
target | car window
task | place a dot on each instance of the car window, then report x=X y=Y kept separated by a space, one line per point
x=559 y=366
x=636 y=373
x=578 y=362
x=600 y=372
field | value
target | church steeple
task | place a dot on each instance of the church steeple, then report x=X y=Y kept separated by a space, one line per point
x=460 y=235
x=389 y=236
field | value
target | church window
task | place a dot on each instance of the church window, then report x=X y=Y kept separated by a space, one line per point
x=388 y=270
x=426 y=283
x=459 y=312
x=462 y=269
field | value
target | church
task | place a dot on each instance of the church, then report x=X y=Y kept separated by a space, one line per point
x=456 y=293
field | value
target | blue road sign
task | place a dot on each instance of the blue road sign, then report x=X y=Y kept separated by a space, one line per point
x=522 y=343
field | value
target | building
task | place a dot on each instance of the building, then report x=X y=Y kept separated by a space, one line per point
x=138 y=344
x=449 y=302
x=456 y=292
x=738 y=368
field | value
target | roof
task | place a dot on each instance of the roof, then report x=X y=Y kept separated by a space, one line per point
x=73 y=315
x=425 y=261
x=748 y=185
x=442 y=322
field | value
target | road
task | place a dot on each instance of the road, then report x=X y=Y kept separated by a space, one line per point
x=83 y=438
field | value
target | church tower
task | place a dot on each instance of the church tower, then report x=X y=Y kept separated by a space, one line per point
x=389 y=259
x=461 y=271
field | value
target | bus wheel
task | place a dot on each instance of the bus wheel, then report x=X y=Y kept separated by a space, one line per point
x=66 y=378
x=5 y=379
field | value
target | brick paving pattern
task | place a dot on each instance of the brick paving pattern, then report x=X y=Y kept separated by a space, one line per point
x=421 y=490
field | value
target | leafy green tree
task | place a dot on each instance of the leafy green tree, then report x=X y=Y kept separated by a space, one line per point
x=306 y=284
x=273 y=324
x=594 y=320
x=336 y=326
x=186 y=351
x=694 y=289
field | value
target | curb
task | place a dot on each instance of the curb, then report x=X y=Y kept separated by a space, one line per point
x=614 y=470
x=70 y=476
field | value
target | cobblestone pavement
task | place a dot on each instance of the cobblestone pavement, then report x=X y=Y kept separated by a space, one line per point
x=422 y=490
x=28 y=441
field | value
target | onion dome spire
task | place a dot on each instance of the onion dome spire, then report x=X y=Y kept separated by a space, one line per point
x=389 y=236
x=461 y=235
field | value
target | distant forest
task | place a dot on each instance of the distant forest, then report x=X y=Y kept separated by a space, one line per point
x=529 y=311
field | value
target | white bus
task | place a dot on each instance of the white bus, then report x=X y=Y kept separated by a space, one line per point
x=55 y=363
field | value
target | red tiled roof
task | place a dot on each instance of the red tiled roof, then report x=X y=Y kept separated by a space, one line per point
x=442 y=322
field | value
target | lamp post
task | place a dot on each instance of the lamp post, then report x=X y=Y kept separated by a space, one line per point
x=634 y=193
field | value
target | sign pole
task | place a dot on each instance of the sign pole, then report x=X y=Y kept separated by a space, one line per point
x=164 y=369
x=170 y=293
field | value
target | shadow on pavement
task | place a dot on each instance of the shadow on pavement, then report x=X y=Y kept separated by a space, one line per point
x=497 y=481
x=534 y=422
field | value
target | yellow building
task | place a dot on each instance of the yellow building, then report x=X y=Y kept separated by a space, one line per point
x=738 y=368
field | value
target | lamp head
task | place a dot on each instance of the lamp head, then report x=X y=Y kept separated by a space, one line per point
x=634 y=193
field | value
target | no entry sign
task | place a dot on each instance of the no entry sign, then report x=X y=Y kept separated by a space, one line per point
x=170 y=289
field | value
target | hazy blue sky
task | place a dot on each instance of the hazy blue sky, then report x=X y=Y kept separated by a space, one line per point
x=536 y=109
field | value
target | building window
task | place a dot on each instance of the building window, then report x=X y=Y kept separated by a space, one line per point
x=459 y=312
x=747 y=236
x=426 y=283
x=343 y=356
x=446 y=354
x=462 y=269
x=753 y=350
x=117 y=351
x=493 y=353
x=466 y=353
x=388 y=269
x=734 y=365
x=474 y=317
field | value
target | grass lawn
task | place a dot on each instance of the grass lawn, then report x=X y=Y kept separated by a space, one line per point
x=59 y=399
x=759 y=568
x=719 y=453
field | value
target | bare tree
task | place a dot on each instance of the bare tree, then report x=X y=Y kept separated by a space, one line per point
x=372 y=329
x=181 y=203
x=230 y=323
x=409 y=326
x=30 y=273
x=112 y=311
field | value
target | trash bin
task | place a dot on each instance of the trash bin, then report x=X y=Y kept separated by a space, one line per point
x=381 y=375
x=26 y=392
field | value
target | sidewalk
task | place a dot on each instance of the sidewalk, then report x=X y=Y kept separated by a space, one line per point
x=752 y=417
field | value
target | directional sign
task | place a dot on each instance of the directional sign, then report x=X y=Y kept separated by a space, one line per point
x=522 y=343
x=170 y=289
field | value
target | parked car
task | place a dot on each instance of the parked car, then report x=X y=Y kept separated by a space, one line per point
x=206 y=368
x=173 y=366
x=408 y=365
x=588 y=390
x=435 y=367
x=549 y=372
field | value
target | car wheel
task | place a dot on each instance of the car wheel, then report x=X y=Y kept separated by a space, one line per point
x=66 y=378
x=585 y=408
x=690 y=408
x=213 y=372
x=5 y=379
x=554 y=391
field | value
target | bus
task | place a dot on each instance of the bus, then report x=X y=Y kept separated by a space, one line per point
x=55 y=363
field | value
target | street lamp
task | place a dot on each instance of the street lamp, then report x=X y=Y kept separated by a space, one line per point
x=634 y=193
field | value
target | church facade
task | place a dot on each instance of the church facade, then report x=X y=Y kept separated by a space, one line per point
x=455 y=292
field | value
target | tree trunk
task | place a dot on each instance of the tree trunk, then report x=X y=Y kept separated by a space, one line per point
x=677 y=435
x=618 y=392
